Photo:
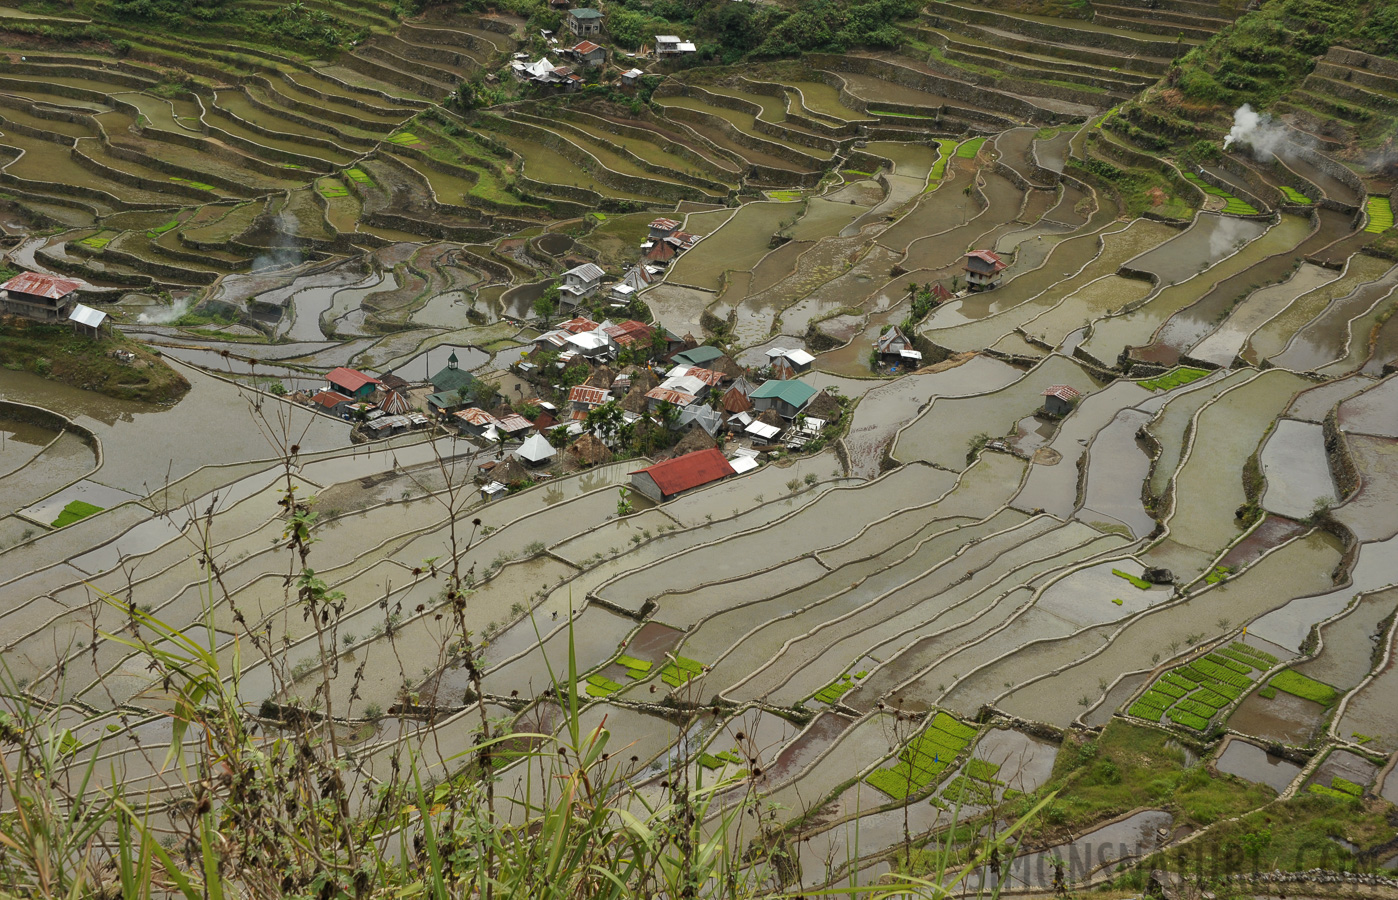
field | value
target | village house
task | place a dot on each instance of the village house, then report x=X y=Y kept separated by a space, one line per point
x=578 y=324
x=474 y=421
x=662 y=228
x=445 y=402
x=584 y=22
x=983 y=268
x=1059 y=399
x=588 y=54
x=658 y=397
x=894 y=348
x=352 y=383
x=514 y=425
x=41 y=297
x=630 y=334
x=333 y=402
x=583 y=399
x=668 y=46
x=702 y=356
x=788 y=398
x=666 y=480
x=631 y=78
x=580 y=282
x=590 y=344
x=620 y=294
x=704 y=417
x=788 y=363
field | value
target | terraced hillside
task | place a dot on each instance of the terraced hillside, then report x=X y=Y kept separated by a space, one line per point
x=1128 y=510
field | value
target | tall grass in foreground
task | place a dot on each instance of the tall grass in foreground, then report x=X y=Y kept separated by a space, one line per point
x=279 y=802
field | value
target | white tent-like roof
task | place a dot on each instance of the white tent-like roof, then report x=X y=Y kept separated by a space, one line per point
x=535 y=449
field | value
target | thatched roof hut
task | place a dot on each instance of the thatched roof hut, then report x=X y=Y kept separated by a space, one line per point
x=509 y=471
x=589 y=450
x=601 y=377
x=725 y=366
x=772 y=417
x=695 y=439
x=824 y=406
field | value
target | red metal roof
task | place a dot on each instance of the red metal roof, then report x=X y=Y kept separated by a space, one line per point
x=330 y=399
x=665 y=395
x=584 y=394
x=515 y=422
x=578 y=325
x=1062 y=392
x=585 y=47
x=350 y=379
x=708 y=376
x=987 y=256
x=688 y=471
x=665 y=224
x=46 y=286
x=660 y=252
x=476 y=416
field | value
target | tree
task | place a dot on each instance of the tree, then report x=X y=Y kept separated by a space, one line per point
x=605 y=421
x=547 y=304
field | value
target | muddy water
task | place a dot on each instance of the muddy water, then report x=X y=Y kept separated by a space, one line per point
x=1227 y=341
x=1372 y=412
x=307 y=307
x=1079 y=309
x=1297 y=470
x=1137 y=328
x=885 y=409
x=1066 y=258
x=1334 y=188
x=1348 y=645
x=1117 y=462
x=1210 y=239
x=738 y=244
x=1301 y=567
x=1118 y=246
x=1324 y=339
x=1285 y=719
x=1272 y=337
x=129 y=430
x=1315 y=404
x=944 y=433
x=1096 y=853
x=21 y=442
x=1053 y=483
x=1250 y=762
x=1370 y=710
x=64 y=460
x=1372 y=513
x=1209 y=487
x=915 y=160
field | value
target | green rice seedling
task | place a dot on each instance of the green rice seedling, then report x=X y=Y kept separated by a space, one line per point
x=1139 y=583
x=1299 y=685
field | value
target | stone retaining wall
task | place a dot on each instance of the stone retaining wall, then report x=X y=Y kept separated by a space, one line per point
x=998 y=109
x=645 y=134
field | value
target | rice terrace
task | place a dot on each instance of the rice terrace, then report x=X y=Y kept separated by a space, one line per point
x=698 y=448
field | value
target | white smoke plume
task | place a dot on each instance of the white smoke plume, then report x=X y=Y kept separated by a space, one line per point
x=1266 y=136
x=164 y=315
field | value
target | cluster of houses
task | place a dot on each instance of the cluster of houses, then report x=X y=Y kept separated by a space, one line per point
x=584 y=26
x=379 y=405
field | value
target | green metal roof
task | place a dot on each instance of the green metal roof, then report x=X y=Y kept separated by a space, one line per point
x=696 y=356
x=451 y=379
x=797 y=393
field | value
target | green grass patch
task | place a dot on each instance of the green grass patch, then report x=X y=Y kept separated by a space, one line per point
x=1173 y=379
x=1293 y=195
x=405 y=139
x=358 y=176
x=1231 y=204
x=1117 y=600
x=924 y=759
x=1139 y=583
x=75 y=511
x=1379 y=212
x=601 y=686
x=161 y=229
x=784 y=196
x=969 y=149
x=1299 y=685
x=981 y=770
x=856 y=173
x=680 y=671
x=832 y=692
x=100 y=240
x=194 y=184
x=1217 y=574
x=636 y=669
